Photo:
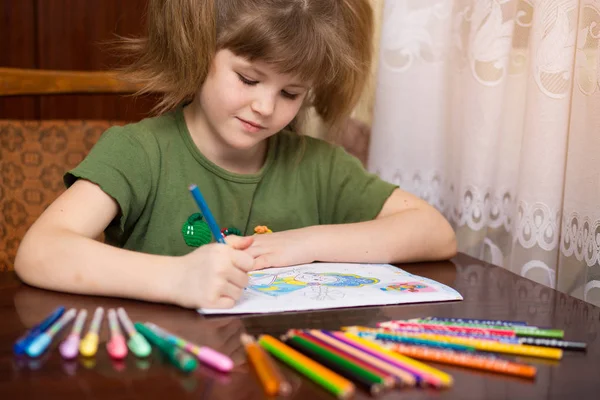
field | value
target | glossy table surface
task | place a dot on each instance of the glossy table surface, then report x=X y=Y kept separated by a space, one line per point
x=489 y=292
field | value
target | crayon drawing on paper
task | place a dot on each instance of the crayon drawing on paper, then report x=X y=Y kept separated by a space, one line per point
x=334 y=285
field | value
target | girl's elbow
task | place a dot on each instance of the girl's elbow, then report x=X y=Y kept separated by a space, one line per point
x=451 y=248
x=447 y=241
x=28 y=260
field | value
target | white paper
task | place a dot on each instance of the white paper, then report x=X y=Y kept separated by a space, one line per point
x=332 y=285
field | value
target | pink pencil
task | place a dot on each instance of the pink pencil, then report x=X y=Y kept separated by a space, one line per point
x=450 y=328
x=423 y=375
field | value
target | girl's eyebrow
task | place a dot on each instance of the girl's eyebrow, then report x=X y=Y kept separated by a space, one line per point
x=261 y=74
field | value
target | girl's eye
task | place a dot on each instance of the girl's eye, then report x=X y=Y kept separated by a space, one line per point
x=246 y=81
x=289 y=95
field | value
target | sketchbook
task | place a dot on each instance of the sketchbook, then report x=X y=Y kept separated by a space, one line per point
x=333 y=285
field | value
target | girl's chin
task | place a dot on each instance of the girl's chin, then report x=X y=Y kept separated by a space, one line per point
x=243 y=141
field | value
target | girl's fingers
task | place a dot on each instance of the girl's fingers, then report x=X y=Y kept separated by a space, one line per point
x=232 y=291
x=264 y=261
x=242 y=260
x=222 y=302
x=239 y=242
x=237 y=277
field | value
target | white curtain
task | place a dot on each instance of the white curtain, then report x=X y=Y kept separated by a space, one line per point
x=490 y=110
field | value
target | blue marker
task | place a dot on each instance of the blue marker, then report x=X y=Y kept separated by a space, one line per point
x=24 y=341
x=212 y=224
x=41 y=342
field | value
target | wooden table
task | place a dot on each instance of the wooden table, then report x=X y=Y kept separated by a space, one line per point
x=489 y=292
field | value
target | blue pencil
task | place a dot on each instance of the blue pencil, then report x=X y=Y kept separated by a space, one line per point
x=210 y=220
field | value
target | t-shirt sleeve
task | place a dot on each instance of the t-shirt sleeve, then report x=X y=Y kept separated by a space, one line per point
x=351 y=193
x=119 y=164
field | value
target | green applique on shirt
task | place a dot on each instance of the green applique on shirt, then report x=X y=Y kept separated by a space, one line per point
x=196 y=231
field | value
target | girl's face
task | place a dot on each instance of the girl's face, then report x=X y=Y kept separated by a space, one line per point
x=246 y=102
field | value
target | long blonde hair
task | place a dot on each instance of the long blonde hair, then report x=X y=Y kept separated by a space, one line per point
x=326 y=42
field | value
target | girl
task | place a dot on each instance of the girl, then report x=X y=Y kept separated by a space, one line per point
x=236 y=75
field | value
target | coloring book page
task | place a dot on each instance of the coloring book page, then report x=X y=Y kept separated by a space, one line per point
x=334 y=285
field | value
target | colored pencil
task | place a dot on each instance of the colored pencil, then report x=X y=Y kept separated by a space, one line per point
x=560 y=344
x=434 y=376
x=423 y=378
x=495 y=347
x=339 y=386
x=493 y=338
x=388 y=379
x=404 y=377
x=386 y=337
x=271 y=379
x=453 y=329
x=466 y=360
x=410 y=333
x=210 y=220
x=492 y=322
x=371 y=383
x=521 y=331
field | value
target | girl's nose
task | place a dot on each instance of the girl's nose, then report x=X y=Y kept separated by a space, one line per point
x=264 y=104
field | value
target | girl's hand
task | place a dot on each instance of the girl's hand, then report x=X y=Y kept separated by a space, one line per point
x=280 y=249
x=214 y=275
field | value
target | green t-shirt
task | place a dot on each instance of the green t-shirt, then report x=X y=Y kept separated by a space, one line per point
x=148 y=166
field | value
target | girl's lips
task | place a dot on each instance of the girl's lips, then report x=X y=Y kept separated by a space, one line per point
x=250 y=126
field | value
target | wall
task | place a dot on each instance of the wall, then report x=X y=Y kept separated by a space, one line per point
x=68 y=35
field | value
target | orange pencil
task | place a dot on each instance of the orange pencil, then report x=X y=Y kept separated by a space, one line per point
x=267 y=371
x=466 y=360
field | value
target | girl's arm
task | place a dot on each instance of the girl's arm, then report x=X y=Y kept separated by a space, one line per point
x=407 y=229
x=59 y=252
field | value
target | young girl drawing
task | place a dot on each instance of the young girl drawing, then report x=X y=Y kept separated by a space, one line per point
x=236 y=75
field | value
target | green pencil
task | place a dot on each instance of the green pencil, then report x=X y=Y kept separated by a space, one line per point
x=331 y=381
x=519 y=330
x=370 y=382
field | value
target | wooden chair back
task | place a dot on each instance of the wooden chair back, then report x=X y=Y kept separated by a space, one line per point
x=34 y=154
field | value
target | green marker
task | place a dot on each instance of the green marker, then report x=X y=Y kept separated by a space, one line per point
x=175 y=355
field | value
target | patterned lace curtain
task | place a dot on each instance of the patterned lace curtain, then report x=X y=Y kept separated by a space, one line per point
x=490 y=110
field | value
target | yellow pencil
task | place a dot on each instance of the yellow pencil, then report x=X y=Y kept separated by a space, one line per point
x=478 y=344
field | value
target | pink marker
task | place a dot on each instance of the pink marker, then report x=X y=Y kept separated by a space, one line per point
x=69 y=348
x=205 y=354
x=116 y=347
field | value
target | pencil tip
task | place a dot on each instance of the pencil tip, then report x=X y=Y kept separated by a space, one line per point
x=246 y=339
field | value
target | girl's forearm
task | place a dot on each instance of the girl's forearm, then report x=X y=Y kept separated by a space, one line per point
x=407 y=236
x=65 y=261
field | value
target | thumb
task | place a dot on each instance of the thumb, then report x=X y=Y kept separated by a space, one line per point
x=239 y=242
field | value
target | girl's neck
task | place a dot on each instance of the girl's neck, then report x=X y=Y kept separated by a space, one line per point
x=216 y=150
